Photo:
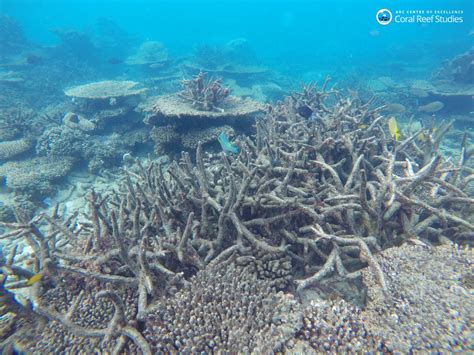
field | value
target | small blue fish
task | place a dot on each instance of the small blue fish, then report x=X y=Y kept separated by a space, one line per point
x=226 y=145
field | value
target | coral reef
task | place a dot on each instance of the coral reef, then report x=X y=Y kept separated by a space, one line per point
x=62 y=141
x=308 y=198
x=198 y=113
x=98 y=152
x=75 y=44
x=428 y=310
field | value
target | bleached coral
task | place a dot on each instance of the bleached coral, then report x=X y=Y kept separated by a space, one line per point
x=103 y=90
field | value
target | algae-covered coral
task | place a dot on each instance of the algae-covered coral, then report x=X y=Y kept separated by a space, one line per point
x=309 y=199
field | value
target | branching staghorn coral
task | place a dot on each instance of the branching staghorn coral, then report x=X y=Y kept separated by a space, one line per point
x=206 y=95
x=304 y=200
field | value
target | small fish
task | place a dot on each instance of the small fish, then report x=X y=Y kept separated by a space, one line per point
x=304 y=111
x=33 y=279
x=362 y=126
x=434 y=106
x=393 y=128
x=226 y=145
x=395 y=108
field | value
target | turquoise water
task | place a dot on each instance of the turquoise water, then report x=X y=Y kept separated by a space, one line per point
x=295 y=36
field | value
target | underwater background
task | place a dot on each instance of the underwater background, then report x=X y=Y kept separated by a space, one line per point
x=302 y=36
x=237 y=176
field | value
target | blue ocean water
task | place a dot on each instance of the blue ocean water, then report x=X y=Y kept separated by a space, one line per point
x=296 y=36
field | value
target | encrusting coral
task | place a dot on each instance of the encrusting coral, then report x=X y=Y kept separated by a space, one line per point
x=309 y=197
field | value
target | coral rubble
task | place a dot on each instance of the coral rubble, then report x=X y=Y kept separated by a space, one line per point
x=191 y=255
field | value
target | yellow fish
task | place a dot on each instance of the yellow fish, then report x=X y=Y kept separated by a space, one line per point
x=421 y=137
x=362 y=126
x=33 y=279
x=393 y=128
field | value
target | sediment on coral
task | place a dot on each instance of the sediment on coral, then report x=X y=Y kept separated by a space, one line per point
x=307 y=198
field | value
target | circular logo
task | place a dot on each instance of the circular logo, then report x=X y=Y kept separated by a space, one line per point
x=384 y=17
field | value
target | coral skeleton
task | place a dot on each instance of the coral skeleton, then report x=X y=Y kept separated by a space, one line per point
x=206 y=95
x=305 y=200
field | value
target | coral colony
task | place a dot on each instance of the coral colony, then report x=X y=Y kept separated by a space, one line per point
x=217 y=252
